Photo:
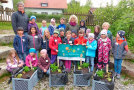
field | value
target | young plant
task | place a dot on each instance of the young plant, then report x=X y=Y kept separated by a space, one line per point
x=35 y=68
x=85 y=65
x=53 y=67
x=26 y=69
x=100 y=73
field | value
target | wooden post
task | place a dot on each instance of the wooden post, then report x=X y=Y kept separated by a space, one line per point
x=80 y=62
x=58 y=62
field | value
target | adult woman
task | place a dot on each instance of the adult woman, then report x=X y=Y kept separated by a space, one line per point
x=72 y=24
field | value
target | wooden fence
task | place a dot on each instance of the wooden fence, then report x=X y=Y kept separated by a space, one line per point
x=5 y=14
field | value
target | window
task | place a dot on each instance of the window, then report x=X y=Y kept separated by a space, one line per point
x=44 y=4
x=55 y=13
x=44 y=13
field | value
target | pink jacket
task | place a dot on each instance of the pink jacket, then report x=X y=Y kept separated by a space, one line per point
x=103 y=50
x=34 y=61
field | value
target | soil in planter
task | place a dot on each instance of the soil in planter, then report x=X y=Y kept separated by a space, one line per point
x=27 y=75
x=83 y=70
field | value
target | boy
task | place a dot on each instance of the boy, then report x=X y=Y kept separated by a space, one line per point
x=62 y=36
x=52 y=26
x=53 y=44
x=119 y=50
x=20 y=44
x=62 y=25
x=83 y=26
x=74 y=34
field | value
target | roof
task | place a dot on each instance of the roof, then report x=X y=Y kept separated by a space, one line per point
x=56 y=4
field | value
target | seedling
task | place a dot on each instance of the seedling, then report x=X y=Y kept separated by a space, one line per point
x=100 y=73
x=26 y=69
x=85 y=65
x=53 y=67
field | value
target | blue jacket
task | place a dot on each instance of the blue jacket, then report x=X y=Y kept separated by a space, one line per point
x=91 y=49
x=45 y=44
x=20 y=44
x=61 y=26
x=51 y=29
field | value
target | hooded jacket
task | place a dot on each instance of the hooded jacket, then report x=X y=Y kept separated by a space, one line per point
x=80 y=40
x=20 y=44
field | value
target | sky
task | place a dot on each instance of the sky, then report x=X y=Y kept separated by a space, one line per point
x=98 y=3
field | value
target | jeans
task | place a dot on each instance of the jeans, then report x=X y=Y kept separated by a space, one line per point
x=91 y=61
x=22 y=56
x=41 y=73
x=117 y=65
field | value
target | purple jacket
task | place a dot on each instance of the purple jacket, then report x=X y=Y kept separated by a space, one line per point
x=31 y=24
x=44 y=63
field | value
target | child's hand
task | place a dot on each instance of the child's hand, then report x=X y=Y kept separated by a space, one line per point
x=45 y=70
x=86 y=46
x=71 y=44
x=83 y=44
x=56 y=50
x=60 y=43
x=64 y=43
x=19 y=65
x=77 y=44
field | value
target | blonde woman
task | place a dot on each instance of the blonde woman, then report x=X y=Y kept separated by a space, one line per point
x=72 y=24
x=45 y=42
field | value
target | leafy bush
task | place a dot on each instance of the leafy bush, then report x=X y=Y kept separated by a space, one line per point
x=100 y=73
x=53 y=67
x=85 y=65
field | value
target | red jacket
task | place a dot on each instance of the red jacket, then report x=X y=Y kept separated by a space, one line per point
x=53 y=44
x=80 y=40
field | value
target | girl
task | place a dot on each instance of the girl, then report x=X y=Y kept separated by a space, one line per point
x=119 y=50
x=53 y=44
x=31 y=59
x=91 y=50
x=52 y=26
x=96 y=32
x=33 y=23
x=13 y=61
x=62 y=23
x=68 y=40
x=87 y=32
x=104 y=46
x=62 y=36
x=44 y=27
x=34 y=40
x=72 y=24
x=43 y=64
x=74 y=34
x=45 y=42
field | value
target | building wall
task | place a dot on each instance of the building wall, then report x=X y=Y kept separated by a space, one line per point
x=9 y=4
x=44 y=10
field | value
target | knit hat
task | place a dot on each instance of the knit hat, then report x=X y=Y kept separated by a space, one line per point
x=20 y=29
x=74 y=31
x=61 y=29
x=90 y=35
x=121 y=33
x=56 y=31
x=103 y=32
x=33 y=17
x=88 y=30
x=32 y=50
x=44 y=51
x=52 y=20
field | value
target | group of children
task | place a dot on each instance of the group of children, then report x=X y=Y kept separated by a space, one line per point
x=46 y=40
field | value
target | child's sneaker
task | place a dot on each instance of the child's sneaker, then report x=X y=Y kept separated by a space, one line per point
x=115 y=74
x=118 y=76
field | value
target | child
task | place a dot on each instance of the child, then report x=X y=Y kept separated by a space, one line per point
x=68 y=40
x=62 y=25
x=34 y=40
x=45 y=42
x=31 y=59
x=106 y=26
x=62 y=34
x=32 y=23
x=44 y=27
x=119 y=50
x=104 y=46
x=74 y=34
x=96 y=32
x=43 y=64
x=53 y=44
x=13 y=61
x=83 y=26
x=80 y=40
x=20 y=44
x=91 y=50
x=87 y=32
x=52 y=26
